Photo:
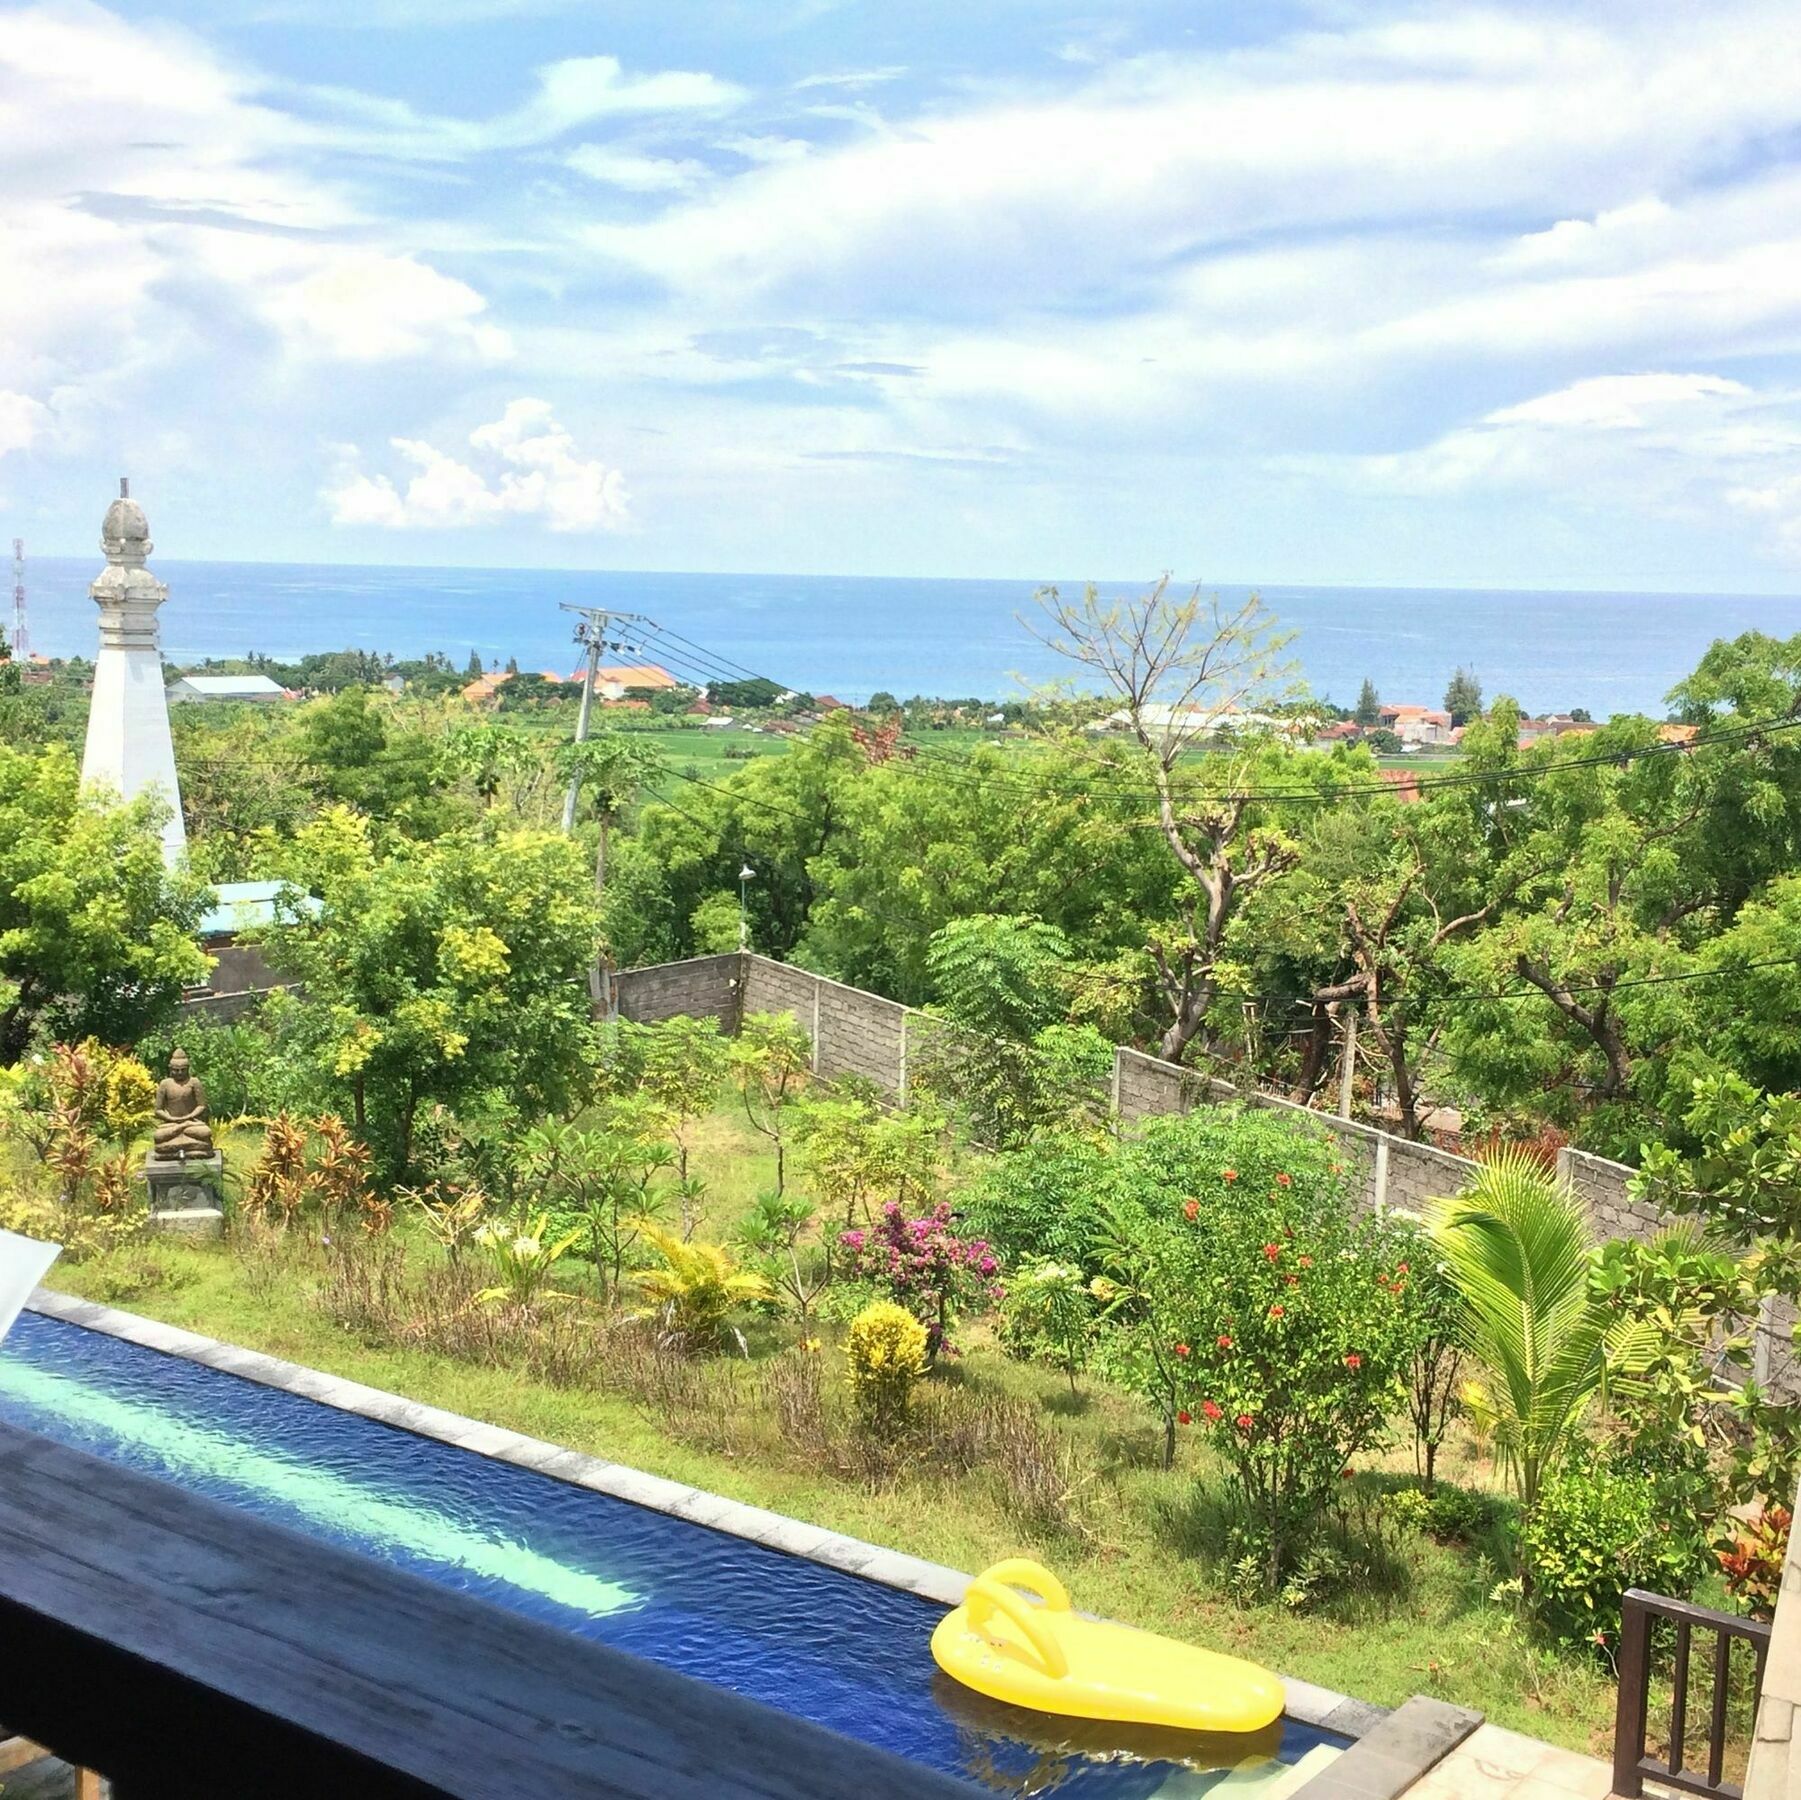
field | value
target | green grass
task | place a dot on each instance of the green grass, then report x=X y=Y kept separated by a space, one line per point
x=1150 y=1548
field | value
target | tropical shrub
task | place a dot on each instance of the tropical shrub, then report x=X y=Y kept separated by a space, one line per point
x=923 y=1265
x=1260 y=1308
x=523 y=1256
x=697 y=1289
x=1751 y=1561
x=885 y=1354
x=1049 y=1313
x=1596 y=1530
x=1515 y=1246
x=1045 y=1202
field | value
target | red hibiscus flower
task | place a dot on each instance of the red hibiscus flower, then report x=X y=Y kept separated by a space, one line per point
x=1181 y=1349
x=1212 y=1411
x=1276 y=1312
x=1184 y=1418
x=1353 y=1361
x=1191 y=1208
x=1283 y=1179
x=1272 y=1251
x=1228 y=1174
x=1244 y=1421
x=1223 y=1342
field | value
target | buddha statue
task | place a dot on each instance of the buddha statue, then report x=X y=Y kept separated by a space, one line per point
x=182 y=1131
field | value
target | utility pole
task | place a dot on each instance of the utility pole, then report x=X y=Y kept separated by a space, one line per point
x=21 y=634
x=591 y=631
x=1347 y=1065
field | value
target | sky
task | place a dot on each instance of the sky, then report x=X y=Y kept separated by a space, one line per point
x=1288 y=292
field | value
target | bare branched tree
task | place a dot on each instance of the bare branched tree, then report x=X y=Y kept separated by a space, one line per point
x=1188 y=674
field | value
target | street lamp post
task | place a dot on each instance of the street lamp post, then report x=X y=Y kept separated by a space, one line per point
x=746 y=875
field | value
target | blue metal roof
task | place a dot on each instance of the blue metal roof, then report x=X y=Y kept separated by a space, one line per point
x=242 y=905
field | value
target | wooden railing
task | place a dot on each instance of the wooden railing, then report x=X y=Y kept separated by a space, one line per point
x=1632 y=1765
x=191 y=1651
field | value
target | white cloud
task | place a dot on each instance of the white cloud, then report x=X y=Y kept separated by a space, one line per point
x=571 y=93
x=1614 y=402
x=363 y=306
x=634 y=172
x=22 y=421
x=536 y=471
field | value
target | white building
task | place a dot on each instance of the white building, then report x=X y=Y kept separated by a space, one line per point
x=128 y=745
x=254 y=689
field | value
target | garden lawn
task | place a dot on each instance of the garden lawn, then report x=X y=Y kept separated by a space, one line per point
x=1150 y=1551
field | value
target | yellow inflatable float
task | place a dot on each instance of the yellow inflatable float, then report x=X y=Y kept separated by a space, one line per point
x=1043 y=1655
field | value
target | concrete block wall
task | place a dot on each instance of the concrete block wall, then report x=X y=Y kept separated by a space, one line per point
x=1394 y=1172
x=860 y=1034
x=1606 y=1186
x=704 y=987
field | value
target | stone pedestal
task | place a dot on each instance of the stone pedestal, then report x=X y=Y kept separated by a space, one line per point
x=187 y=1196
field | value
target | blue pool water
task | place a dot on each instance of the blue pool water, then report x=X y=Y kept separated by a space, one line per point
x=846 y=1653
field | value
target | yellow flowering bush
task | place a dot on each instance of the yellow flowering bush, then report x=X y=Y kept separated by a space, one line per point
x=886 y=1354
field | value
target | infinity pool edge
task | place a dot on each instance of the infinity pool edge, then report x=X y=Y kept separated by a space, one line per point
x=1307 y=1703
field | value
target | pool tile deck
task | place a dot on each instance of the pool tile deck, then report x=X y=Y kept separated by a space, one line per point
x=1495 y=1764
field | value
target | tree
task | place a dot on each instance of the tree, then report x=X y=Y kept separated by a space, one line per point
x=1184 y=671
x=882 y=703
x=1516 y=1249
x=1003 y=1060
x=446 y=972
x=610 y=768
x=1463 y=697
x=738 y=695
x=771 y=1057
x=97 y=937
x=1369 y=704
x=473 y=668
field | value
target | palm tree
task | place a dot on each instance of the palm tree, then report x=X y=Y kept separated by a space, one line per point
x=1516 y=1245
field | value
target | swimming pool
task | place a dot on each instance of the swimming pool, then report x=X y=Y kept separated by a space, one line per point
x=847 y=1653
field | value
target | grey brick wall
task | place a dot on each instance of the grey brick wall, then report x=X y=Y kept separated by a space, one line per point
x=239 y=969
x=704 y=987
x=224 y=1009
x=862 y=1034
x=773 y=987
x=1605 y=1187
x=1393 y=1172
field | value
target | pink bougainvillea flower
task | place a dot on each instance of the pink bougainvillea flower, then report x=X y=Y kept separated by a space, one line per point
x=1191 y=1208
x=1184 y=1418
x=1212 y=1411
x=1353 y=1361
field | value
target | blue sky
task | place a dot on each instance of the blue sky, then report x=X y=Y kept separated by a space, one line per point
x=1415 y=294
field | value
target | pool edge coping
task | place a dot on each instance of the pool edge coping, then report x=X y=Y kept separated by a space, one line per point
x=1306 y=1702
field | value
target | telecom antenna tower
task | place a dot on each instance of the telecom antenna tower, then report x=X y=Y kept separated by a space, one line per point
x=21 y=634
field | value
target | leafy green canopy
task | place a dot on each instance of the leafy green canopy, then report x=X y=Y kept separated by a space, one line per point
x=445 y=972
x=97 y=937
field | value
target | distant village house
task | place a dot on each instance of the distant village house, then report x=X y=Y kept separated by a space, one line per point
x=255 y=690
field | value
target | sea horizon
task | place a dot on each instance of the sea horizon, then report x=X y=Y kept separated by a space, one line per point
x=1603 y=650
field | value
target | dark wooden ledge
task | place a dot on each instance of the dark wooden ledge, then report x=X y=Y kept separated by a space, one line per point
x=195 y=1652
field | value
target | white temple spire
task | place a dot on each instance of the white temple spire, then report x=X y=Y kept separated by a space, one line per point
x=128 y=746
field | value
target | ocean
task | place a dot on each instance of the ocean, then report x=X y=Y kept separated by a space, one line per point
x=849 y=636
